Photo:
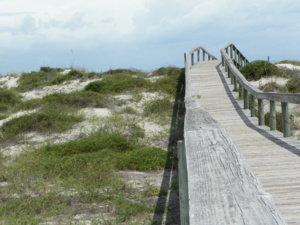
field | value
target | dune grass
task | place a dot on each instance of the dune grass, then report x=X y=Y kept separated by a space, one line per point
x=49 y=120
x=55 y=182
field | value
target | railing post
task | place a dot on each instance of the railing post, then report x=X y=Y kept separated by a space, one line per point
x=272 y=115
x=240 y=91
x=252 y=105
x=226 y=67
x=183 y=184
x=285 y=120
x=208 y=57
x=192 y=59
x=198 y=55
x=231 y=53
x=223 y=61
x=228 y=70
x=261 y=115
x=246 y=99
x=234 y=82
x=203 y=55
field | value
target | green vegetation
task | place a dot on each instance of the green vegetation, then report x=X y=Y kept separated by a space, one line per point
x=8 y=99
x=258 y=69
x=117 y=83
x=169 y=71
x=56 y=182
x=271 y=87
x=293 y=85
x=45 y=121
x=293 y=62
x=158 y=107
x=279 y=125
x=49 y=76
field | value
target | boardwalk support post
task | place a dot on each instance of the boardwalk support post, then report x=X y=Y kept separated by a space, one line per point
x=192 y=59
x=246 y=99
x=183 y=184
x=261 y=116
x=252 y=105
x=272 y=115
x=240 y=91
x=285 y=119
x=234 y=83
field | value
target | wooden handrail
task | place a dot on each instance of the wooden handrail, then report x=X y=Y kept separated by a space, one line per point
x=237 y=60
x=189 y=62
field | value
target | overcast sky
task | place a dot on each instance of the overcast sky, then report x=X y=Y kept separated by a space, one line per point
x=144 y=34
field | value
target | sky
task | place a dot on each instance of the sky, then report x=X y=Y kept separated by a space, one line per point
x=98 y=35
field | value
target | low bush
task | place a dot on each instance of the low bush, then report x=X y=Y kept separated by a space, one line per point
x=293 y=85
x=158 y=107
x=258 y=69
x=44 y=121
x=81 y=99
x=270 y=87
x=168 y=71
x=117 y=84
x=8 y=99
x=279 y=125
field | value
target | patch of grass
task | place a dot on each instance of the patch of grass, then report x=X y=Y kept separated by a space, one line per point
x=293 y=62
x=168 y=84
x=279 y=125
x=8 y=99
x=3 y=116
x=45 y=121
x=124 y=71
x=270 y=87
x=126 y=209
x=168 y=71
x=258 y=69
x=143 y=159
x=293 y=85
x=157 y=107
x=48 y=76
x=30 y=210
x=117 y=83
x=81 y=99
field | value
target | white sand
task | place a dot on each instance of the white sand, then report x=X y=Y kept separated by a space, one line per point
x=9 y=81
x=66 y=87
x=288 y=66
x=279 y=80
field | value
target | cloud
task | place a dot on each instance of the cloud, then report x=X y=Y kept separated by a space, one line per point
x=132 y=30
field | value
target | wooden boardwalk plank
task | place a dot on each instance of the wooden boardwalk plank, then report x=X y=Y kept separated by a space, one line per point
x=274 y=160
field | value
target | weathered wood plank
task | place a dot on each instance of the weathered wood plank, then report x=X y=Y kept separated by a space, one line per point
x=222 y=188
x=274 y=160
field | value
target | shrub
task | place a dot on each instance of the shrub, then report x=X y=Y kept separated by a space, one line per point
x=158 y=106
x=279 y=125
x=142 y=159
x=8 y=99
x=117 y=84
x=81 y=99
x=124 y=71
x=47 y=120
x=258 y=69
x=293 y=85
x=270 y=87
x=169 y=71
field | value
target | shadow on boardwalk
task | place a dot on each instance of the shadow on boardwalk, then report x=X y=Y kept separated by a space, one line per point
x=167 y=206
x=282 y=143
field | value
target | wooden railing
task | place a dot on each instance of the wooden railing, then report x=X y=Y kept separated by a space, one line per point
x=232 y=59
x=189 y=58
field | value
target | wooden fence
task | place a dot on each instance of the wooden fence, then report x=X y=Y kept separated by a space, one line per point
x=233 y=59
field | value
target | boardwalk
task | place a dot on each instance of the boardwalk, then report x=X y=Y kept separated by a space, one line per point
x=274 y=160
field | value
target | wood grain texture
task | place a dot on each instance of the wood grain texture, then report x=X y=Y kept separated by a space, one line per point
x=230 y=189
